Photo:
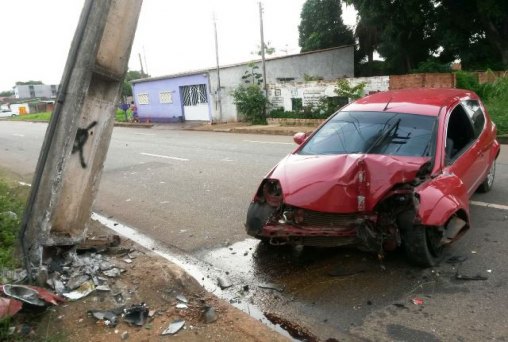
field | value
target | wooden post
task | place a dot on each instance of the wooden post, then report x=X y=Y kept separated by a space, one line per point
x=77 y=139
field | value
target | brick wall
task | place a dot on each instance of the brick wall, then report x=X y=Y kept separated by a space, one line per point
x=434 y=80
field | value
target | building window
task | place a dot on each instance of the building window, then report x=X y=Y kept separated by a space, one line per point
x=166 y=97
x=194 y=95
x=143 y=99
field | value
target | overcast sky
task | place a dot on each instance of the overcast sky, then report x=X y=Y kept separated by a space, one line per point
x=173 y=36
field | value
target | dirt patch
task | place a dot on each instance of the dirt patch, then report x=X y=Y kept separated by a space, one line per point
x=157 y=283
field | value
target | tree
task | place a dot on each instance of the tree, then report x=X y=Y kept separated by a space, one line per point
x=130 y=76
x=321 y=26
x=269 y=50
x=29 y=83
x=6 y=93
x=252 y=75
x=402 y=31
x=476 y=33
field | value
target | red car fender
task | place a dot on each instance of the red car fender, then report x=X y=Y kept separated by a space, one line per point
x=440 y=199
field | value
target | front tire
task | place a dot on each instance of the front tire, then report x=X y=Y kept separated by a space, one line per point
x=423 y=245
x=488 y=183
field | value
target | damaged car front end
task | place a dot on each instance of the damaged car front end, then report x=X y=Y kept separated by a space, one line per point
x=374 y=179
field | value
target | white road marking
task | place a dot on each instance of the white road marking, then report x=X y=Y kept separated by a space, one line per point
x=489 y=205
x=161 y=156
x=227 y=160
x=269 y=142
x=18 y=135
x=149 y=134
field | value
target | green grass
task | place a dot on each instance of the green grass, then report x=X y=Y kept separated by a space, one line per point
x=33 y=117
x=12 y=199
x=498 y=111
x=120 y=115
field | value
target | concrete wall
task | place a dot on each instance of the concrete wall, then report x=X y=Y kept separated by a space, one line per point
x=156 y=111
x=280 y=94
x=329 y=64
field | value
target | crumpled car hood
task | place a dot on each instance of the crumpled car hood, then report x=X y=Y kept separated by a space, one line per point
x=332 y=183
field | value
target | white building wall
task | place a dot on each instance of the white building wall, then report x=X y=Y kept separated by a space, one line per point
x=280 y=94
x=329 y=64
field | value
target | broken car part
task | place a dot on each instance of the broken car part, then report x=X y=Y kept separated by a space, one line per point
x=174 y=327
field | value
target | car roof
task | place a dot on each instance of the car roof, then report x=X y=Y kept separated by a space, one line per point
x=424 y=101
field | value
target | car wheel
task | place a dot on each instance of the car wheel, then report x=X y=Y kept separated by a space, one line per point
x=487 y=184
x=423 y=245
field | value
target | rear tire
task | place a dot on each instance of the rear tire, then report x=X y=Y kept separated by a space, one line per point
x=422 y=244
x=488 y=183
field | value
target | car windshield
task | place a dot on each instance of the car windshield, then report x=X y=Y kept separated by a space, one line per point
x=373 y=133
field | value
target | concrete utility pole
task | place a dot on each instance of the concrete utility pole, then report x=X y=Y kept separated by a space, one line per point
x=262 y=47
x=77 y=139
x=219 y=90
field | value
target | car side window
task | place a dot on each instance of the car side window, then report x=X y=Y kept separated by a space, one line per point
x=476 y=115
x=459 y=134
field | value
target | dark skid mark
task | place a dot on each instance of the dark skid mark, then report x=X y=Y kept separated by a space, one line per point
x=80 y=141
x=402 y=333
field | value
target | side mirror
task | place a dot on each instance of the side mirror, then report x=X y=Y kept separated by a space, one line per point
x=299 y=138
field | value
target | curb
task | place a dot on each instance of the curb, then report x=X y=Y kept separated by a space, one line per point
x=133 y=124
x=503 y=139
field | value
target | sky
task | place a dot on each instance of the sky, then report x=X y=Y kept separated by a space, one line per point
x=172 y=36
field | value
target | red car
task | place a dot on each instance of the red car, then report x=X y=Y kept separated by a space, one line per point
x=392 y=169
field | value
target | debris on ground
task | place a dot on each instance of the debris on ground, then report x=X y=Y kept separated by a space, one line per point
x=174 y=327
x=224 y=282
x=456 y=259
x=417 y=301
x=9 y=307
x=270 y=286
x=209 y=315
x=107 y=318
x=136 y=314
x=82 y=291
x=471 y=271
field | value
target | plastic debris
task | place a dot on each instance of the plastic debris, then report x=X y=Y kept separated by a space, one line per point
x=9 y=307
x=103 y=288
x=270 y=286
x=119 y=298
x=136 y=314
x=108 y=318
x=84 y=290
x=125 y=335
x=417 y=301
x=174 y=327
x=182 y=298
x=48 y=296
x=24 y=294
x=224 y=283
x=182 y=306
x=113 y=273
x=209 y=315
x=76 y=281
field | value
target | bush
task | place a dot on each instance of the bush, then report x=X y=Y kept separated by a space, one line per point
x=251 y=103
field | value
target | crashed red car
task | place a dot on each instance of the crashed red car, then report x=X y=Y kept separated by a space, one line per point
x=392 y=169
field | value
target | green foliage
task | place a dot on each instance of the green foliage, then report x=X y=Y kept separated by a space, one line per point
x=6 y=93
x=33 y=117
x=121 y=116
x=130 y=76
x=493 y=94
x=252 y=75
x=432 y=65
x=251 y=103
x=321 y=26
x=11 y=211
x=310 y=78
x=29 y=83
x=325 y=107
x=344 y=89
x=269 y=50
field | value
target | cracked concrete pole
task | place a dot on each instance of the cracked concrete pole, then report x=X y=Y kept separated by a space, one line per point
x=77 y=139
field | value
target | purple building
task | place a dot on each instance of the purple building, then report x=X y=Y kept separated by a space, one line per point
x=182 y=97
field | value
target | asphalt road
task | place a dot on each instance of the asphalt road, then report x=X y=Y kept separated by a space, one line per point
x=190 y=190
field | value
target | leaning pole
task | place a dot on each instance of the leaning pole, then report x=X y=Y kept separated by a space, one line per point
x=72 y=156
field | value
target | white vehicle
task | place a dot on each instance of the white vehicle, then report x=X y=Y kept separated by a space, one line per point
x=6 y=113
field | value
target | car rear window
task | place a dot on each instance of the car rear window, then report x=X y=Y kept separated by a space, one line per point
x=374 y=133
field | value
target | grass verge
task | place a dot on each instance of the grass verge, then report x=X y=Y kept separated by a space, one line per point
x=33 y=117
